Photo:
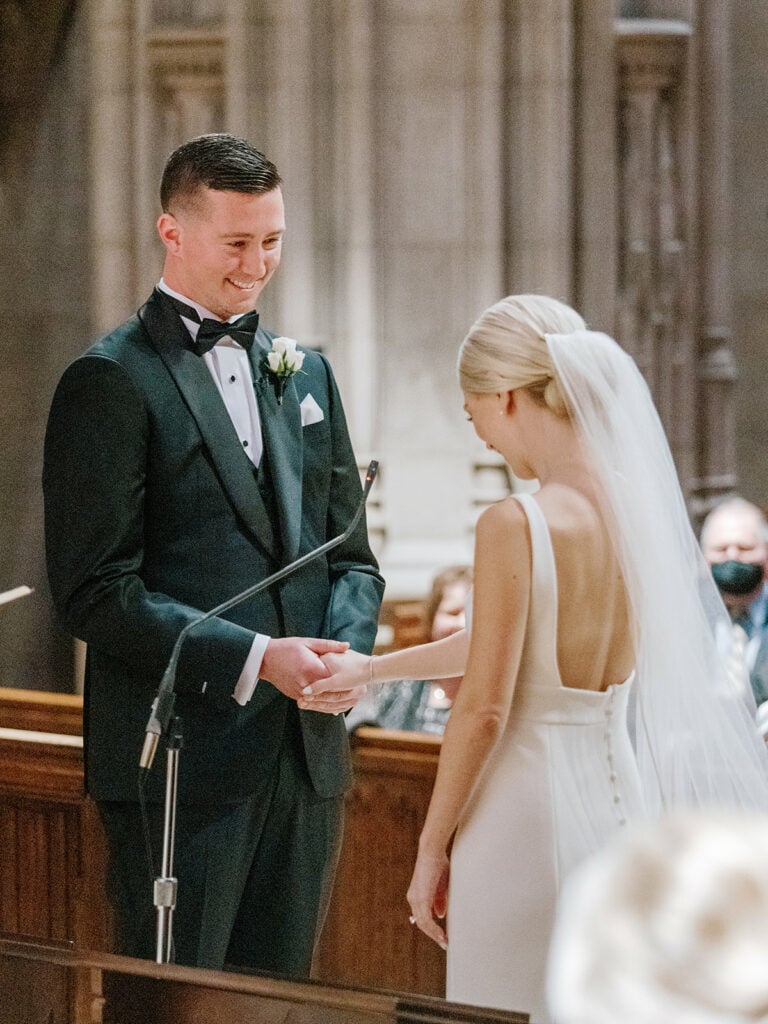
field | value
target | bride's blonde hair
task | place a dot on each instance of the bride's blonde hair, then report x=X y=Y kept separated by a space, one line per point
x=506 y=348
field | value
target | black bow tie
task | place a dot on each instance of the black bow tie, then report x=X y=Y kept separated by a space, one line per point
x=210 y=331
x=241 y=330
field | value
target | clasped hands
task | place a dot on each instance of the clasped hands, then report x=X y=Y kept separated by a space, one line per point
x=320 y=675
x=343 y=685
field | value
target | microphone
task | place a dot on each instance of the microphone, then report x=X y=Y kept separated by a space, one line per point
x=162 y=706
x=15 y=594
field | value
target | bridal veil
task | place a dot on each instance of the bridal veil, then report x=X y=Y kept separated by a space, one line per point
x=697 y=743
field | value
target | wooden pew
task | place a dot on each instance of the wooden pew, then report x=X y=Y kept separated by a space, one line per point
x=54 y=857
x=45 y=984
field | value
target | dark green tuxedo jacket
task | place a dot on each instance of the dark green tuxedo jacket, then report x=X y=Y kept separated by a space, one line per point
x=154 y=514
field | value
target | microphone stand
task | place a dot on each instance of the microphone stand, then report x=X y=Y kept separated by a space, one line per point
x=165 y=886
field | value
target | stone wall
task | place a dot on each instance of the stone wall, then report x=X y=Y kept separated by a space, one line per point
x=750 y=243
x=436 y=154
x=44 y=312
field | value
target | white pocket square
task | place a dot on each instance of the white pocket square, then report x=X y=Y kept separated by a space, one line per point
x=310 y=411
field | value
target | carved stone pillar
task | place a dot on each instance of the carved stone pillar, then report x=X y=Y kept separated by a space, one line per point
x=539 y=136
x=716 y=363
x=181 y=92
x=439 y=143
x=287 y=49
x=354 y=216
x=113 y=248
x=595 y=163
x=31 y=37
x=654 y=317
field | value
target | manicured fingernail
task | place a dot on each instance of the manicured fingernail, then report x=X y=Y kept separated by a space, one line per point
x=443 y=946
x=307 y=691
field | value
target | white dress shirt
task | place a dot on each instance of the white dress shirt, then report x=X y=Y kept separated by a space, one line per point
x=230 y=369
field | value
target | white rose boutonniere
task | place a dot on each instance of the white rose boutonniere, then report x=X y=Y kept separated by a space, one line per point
x=283 y=361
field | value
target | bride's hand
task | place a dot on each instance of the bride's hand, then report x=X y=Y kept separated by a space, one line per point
x=428 y=894
x=345 y=672
x=341 y=689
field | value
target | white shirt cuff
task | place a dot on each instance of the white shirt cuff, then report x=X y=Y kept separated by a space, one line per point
x=246 y=684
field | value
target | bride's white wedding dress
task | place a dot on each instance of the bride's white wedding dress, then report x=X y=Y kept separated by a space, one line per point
x=562 y=778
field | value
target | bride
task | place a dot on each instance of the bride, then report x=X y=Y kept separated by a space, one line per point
x=591 y=598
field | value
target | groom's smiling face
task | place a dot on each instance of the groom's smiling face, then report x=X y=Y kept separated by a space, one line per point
x=222 y=248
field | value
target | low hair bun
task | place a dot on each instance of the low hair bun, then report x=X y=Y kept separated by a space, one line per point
x=554 y=399
x=506 y=348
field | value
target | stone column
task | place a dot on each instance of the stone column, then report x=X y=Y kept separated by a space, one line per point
x=595 y=129
x=111 y=47
x=181 y=92
x=237 y=62
x=438 y=131
x=656 y=266
x=284 y=122
x=355 y=300
x=539 y=158
x=716 y=363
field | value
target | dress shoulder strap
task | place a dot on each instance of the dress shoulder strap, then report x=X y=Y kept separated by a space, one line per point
x=544 y=595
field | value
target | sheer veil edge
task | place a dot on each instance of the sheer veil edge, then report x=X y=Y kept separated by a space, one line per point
x=697 y=742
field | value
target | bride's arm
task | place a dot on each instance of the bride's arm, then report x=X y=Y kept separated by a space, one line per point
x=440 y=659
x=480 y=712
x=353 y=672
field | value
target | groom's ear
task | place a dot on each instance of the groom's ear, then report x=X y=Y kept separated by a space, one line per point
x=168 y=230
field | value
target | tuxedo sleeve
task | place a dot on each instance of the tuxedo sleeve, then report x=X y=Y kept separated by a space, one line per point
x=94 y=481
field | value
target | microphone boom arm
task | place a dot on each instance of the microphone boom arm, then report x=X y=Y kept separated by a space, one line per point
x=162 y=708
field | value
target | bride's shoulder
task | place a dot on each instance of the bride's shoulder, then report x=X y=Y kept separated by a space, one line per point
x=506 y=516
x=502 y=543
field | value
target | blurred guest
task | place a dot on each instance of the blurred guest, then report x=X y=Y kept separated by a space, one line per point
x=668 y=924
x=734 y=539
x=423 y=705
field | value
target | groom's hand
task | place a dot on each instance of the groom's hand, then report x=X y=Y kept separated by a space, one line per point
x=294 y=662
x=334 y=702
x=344 y=694
x=342 y=688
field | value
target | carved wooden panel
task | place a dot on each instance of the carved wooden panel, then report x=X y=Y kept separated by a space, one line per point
x=54 y=857
x=41 y=712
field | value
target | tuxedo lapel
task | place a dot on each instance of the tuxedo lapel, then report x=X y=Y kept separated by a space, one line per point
x=170 y=339
x=281 y=432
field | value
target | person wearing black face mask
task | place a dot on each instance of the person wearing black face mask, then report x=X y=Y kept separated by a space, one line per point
x=734 y=539
x=737 y=578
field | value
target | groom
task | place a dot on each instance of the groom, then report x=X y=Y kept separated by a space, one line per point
x=179 y=470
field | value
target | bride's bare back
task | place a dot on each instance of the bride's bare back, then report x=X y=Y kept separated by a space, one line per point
x=594 y=644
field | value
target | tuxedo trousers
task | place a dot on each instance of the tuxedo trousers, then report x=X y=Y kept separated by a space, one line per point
x=254 y=877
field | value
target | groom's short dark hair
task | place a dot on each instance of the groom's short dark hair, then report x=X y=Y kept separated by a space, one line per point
x=217 y=161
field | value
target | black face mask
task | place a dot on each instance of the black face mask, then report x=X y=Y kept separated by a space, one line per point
x=738 y=577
